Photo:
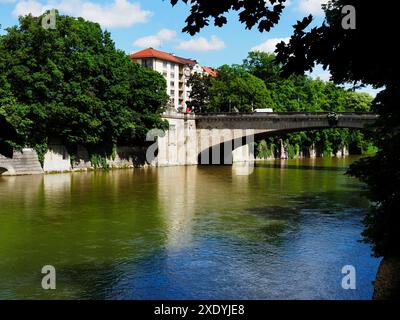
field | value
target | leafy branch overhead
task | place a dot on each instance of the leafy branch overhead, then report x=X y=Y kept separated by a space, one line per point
x=351 y=55
x=252 y=12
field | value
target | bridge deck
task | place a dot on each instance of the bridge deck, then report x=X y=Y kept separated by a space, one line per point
x=368 y=115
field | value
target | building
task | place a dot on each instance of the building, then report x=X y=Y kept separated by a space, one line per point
x=209 y=71
x=176 y=71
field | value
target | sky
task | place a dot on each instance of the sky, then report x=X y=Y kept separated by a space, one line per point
x=138 y=24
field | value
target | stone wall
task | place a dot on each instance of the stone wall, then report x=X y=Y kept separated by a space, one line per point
x=57 y=159
x=23 y=162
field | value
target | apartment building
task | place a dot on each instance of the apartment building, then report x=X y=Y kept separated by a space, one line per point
x=176 y=71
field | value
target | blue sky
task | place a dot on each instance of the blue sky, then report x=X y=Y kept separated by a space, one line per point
x=136 y=24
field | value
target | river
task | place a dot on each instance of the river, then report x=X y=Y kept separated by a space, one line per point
x=283 y=232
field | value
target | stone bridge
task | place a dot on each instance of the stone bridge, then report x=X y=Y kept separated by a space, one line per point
x=226 y=137
x=190 y=140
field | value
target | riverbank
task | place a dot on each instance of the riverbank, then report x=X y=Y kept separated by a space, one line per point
x=387 y=283
x=57 y=160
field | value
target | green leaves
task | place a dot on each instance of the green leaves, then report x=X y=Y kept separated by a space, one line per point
x=301 y=93
x=200 y=94
x=235 y=88
x=72 y=84
x=252 y=13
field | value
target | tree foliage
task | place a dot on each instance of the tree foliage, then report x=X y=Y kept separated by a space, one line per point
x=252 y=12
x=265 y=85
x=382 y=175
x=73 y=85
x=236 y=89
x=302 y=93
x=351 y=56
x=233 y=89
x=200 y=94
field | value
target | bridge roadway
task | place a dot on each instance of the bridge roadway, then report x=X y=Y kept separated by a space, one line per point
x=283 y=121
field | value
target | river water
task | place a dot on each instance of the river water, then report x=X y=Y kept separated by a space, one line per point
x=283 y=232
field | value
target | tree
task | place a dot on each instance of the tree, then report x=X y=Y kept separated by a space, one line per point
x=233 y=89
x=236 y=88
x=359 y=101
x=360 y=56
x=200 y=94
x=7 y=134
x=351 y=58
x=264 y=66
x=253 y=12
x=73 y=85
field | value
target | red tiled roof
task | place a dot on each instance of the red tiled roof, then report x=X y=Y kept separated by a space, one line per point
x=152 y=53
x=211 y=72
x=187 y=61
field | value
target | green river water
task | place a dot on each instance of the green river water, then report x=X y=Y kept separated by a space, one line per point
x=283 y=232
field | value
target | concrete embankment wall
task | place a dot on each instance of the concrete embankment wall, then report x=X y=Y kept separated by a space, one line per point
x=57 y=159
x=177 y=147
x=23 y=162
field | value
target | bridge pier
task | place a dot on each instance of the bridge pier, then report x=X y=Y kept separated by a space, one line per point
x=178 y=146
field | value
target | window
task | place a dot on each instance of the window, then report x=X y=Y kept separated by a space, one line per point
x=148 y=63
x=172 y=92
x=165 y=74
x=165 y=64
x=172 y=75
x=172 y=84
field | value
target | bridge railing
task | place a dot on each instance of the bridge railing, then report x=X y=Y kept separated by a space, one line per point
x=296 y=113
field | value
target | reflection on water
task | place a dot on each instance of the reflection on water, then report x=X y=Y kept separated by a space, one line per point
x=284 y=232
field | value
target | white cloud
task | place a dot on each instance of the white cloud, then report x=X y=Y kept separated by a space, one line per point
x=30 y=6
x=170 y=36
x=368 y=89
x=322 y=75
x=325 y=76
x=269 y=45
x=155 y=41
x=202 y=44
x=312 y=7
x=119 y=13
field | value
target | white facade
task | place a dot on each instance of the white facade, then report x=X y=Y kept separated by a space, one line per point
x=176 y=75
x=175 y=70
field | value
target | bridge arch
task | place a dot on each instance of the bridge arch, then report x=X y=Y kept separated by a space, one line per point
x=226 y=138
x=6 y=169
